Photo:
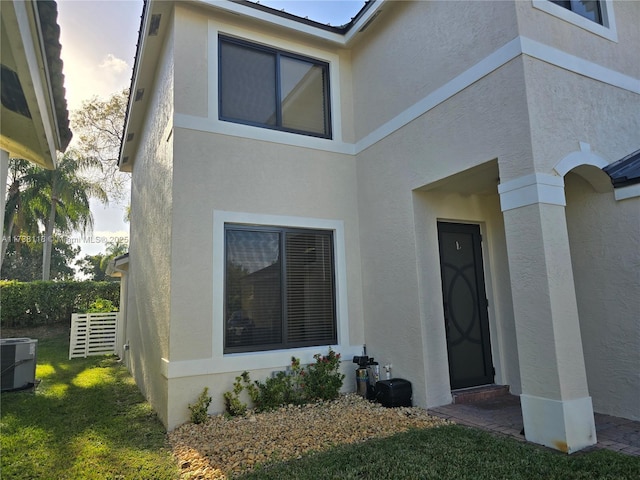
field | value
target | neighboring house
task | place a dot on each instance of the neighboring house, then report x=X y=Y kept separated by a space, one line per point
x=427 y=180
x=34 y=120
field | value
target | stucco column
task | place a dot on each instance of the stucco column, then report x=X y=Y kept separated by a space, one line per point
x=556 y=406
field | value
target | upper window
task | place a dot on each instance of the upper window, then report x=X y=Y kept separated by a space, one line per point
x=273 y=89
x=279 y=288
x=595 y=16
x=589 y=9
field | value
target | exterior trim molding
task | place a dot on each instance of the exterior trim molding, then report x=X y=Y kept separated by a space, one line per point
x=518 y=46
x=624 y=193
x=492 y=62
x=584 y=157
x=298 y=25
x=578 y=65
x=274 y=359
x=500 y=57
x=532 y=189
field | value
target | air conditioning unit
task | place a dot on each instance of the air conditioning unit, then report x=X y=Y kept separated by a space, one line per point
x=17 y=363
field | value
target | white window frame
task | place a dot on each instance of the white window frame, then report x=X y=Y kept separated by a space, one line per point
x=277 y=55
x=283 y=233
x=607 y=29
x=214 y=124
x=275 y=358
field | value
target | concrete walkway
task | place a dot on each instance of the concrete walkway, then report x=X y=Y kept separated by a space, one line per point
x=502 y=415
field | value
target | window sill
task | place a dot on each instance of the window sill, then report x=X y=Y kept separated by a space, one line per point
x=237 y=362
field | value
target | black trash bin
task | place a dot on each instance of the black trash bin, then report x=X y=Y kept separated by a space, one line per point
x=395 y=392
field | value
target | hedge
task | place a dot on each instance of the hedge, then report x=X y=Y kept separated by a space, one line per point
x=30 y=304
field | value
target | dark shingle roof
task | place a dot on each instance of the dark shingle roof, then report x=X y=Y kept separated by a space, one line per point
x=625 y=171
x=48 y=15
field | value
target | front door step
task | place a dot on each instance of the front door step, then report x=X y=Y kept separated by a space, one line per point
x=478 y=394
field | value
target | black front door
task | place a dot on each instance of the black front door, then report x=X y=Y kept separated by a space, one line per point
x=465 y=305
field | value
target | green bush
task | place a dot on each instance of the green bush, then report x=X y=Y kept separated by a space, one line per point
x=234 y=406
x=101 y=305
x=30 y=304
x=319 y=381
x=323 y=380
x=199 y=410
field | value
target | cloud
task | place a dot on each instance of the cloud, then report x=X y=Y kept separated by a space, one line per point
x=114 y=64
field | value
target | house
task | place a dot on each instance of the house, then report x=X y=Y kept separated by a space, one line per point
x=34 y=118
x=426 y=180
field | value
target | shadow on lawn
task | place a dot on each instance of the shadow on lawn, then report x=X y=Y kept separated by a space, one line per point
x=86 y=415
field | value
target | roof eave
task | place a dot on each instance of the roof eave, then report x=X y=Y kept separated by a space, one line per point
x=33 y=34
x=50 y=43
x=626 y=171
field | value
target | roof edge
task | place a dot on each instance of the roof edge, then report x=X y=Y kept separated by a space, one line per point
x=339 y=29
x=47 y=11
x=626 y=171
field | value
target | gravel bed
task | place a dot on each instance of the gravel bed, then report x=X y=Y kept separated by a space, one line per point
x=223 y=447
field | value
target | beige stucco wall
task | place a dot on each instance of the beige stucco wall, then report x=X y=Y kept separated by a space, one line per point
x=605 y=128
x=403 y=308
x=221 y=173
x=605 y=250
x=149 y=282
x=560 y=119
x=414 y=48
x=620 y=55
x=226 y=174
x=608 y=124
x=191 y=61
x=384 y=196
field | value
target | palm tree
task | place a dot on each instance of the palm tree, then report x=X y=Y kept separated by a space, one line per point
x=56 y=199
x=68 y=194
x=23 y=206
x=114 y=249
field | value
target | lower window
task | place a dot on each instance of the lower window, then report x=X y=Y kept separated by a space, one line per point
x=279 y=288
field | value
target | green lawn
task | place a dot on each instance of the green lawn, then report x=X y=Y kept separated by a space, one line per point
x=451 y=452
x=86 y=420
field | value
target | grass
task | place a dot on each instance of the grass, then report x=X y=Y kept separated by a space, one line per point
x=86 y=420
x=451 y=452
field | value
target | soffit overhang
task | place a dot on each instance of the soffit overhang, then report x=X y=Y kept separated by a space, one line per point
x=33 y=115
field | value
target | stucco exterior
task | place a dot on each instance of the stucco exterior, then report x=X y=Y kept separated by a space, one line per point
x=476 y=113
x=604 y=251
x=149 y=278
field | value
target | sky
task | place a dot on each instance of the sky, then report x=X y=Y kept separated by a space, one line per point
x=98 y=39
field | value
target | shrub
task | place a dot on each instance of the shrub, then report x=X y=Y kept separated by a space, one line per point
x=276 y=391
x=234 y=406
x=101 y=305
x=317 y=382
x=30 y=304
x=199 y=410
x=323 y=380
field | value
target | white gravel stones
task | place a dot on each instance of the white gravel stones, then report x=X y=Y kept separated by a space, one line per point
x=224 y=446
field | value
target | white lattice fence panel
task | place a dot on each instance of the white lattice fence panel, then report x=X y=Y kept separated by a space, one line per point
x=93 y=334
